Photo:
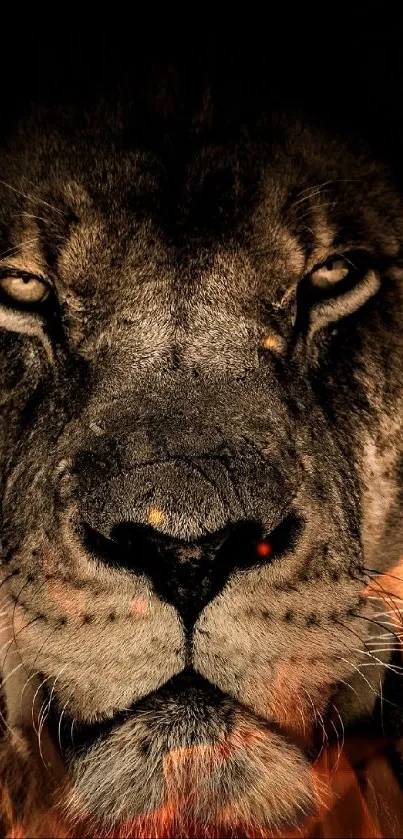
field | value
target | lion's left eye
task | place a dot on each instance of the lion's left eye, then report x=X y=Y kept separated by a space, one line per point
x=330 y=273
x=24 y=288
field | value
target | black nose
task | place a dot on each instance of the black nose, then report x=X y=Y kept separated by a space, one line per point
x=189 y=574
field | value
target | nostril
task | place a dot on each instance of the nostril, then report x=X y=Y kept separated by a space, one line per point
x=264 y=548
x=190 y=574
x=130 y=535
x=128 y=546
x=247 y=544
x=240 y=544
x=139 y=547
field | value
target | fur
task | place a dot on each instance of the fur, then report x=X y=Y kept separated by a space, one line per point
x=185 y=391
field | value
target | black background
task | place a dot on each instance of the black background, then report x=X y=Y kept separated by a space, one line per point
x=345 y=59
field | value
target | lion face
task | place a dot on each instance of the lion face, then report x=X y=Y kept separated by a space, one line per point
x=201 y=441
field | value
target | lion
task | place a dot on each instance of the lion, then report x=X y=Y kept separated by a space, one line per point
x=201 y=332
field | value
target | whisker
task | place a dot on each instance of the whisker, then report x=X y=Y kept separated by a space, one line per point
x=347 y=685
x=381 y=704
x=382 y=574
x=43 y=717
x=12 y=574
x=340 y=750
x=73 y=722
x=308 y=197
x=392 y=667
x=391 y=649
x=327 y=183
x=49 y=635
x=3 y=682
x=317 y=715
x=301 y=713
x=314 y=208
x=350 y=663
x=34 y=198
x=32 y=215
x=391 y=596
x=41 y=684
x=14 y=639
x=33 y=675
x=375 y=623
x=377 y=661
x=16 y=248
x=59 y=727
x=372 y=689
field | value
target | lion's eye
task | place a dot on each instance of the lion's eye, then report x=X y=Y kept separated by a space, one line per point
x=330 y=273
x=24 y=288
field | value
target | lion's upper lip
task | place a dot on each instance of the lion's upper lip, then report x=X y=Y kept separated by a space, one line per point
x=74 y=736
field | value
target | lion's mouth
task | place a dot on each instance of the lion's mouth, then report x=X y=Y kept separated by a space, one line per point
x=204 y=704
x=187 y=747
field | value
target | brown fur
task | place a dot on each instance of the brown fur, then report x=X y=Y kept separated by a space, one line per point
x=186 y=391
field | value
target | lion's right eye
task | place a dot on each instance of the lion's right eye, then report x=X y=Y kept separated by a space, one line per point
x=330 y=273
x=23 y=288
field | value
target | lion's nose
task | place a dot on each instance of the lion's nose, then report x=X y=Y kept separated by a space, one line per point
x=186 y=574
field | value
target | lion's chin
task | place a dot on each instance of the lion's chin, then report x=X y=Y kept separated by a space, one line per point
x=189 y=761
